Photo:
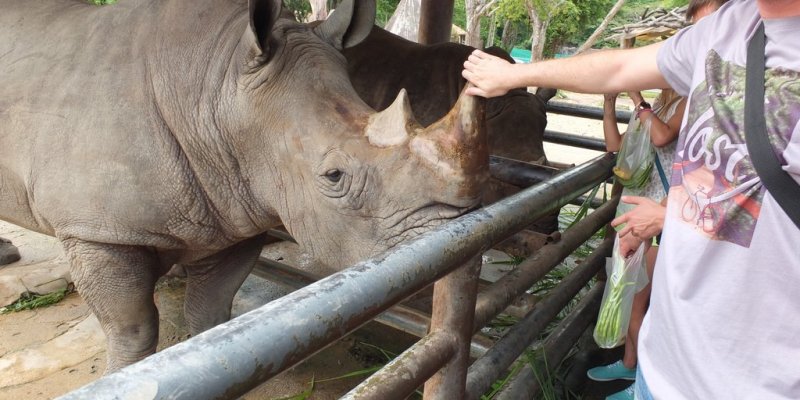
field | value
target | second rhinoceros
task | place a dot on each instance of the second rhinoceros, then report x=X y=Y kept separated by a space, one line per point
x=384 y=63
x=150 y=133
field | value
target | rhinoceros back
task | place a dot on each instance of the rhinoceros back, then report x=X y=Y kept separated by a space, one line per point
x=85 y=151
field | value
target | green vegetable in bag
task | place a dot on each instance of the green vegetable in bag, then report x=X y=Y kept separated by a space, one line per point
x=636 y=155
x=615 y=308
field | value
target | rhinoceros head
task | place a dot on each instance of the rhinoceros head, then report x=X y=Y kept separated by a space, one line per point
x=346 y=181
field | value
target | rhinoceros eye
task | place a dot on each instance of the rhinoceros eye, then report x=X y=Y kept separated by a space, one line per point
x=334 y=175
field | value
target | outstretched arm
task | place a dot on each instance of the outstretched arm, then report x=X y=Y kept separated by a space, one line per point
x=610 y=128
x=608 y=71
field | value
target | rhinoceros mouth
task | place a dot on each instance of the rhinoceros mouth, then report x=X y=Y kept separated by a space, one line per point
x=428 y=217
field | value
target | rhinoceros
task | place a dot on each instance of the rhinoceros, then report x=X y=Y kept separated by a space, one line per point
x=150 y=133
x=384 y=63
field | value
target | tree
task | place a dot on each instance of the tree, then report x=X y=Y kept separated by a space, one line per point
x=551 y=24
x=514 y=16
x=300 y=8
x=509 y=36
x=540 y=13
x=385 y=9
x=475 y=10
x=405 y=20
x=600 y=28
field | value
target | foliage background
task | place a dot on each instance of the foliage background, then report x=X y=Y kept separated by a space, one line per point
x=572 y=23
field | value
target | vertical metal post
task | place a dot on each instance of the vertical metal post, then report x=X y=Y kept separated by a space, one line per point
x=453 y=312
x=435 y=21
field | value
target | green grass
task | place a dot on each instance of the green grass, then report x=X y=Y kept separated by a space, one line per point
x=306 y=394
x=551 y=381
x=365 y=372
x=501 y=383
x=101 y=2
x=29 y=301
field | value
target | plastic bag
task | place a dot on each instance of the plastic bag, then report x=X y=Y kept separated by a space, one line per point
x=636 y=155
x=622 y=284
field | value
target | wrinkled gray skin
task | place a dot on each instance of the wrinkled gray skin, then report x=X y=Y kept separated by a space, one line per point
x=150 y=133
x=384 y=63
x=8 y=252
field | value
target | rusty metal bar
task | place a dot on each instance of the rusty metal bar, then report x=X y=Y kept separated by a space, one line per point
x=408 y=371
x=494 y=363
x=283 y=274
x=569 y=139
x=560 y=107
x=519 y=173
x=435 y=21
x=593 y=203
x=524 y=174
x=453 y=310
x=400 y=317
x=229 y=359
x=495 y=298
x=416 y=323
x=525 y=385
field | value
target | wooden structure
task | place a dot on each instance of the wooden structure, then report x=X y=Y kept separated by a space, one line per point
x=423 y=21
x=458 y=35
x=435 y=19
x=654 y=25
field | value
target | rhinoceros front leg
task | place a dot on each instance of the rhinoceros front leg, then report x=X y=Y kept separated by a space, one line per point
x=117 y=282
x=213 y=282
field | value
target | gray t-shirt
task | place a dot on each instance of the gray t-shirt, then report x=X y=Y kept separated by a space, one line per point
x=724 y=320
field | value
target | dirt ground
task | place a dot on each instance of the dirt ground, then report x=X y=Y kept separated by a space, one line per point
x=50 y=351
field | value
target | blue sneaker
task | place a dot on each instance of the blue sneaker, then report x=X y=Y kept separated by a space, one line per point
x=627 y=394
x=611 y=372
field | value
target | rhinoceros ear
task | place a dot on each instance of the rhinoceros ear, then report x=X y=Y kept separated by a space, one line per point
x=349 y=24
x=263 y=14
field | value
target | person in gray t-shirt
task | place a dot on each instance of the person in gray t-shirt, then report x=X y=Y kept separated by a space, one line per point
x=725 y=312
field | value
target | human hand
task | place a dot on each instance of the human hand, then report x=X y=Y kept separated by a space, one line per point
x=489 y=74
x=636 y=97
x=645 y=221
x=628 y=245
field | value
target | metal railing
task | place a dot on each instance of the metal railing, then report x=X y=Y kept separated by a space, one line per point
x=575 y=110
x=230 y=359
x=571 y=139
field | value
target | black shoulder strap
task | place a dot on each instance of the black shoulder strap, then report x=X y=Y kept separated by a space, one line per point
x=780 y=185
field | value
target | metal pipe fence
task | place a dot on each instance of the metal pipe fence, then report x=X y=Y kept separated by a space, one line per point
x=569 y=139
x=527 y=383
x=560 y=107
x=492 y=365
x=230 y=359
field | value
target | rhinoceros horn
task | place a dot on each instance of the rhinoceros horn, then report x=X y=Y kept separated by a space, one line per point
x=394 y=125
x=457 y=143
